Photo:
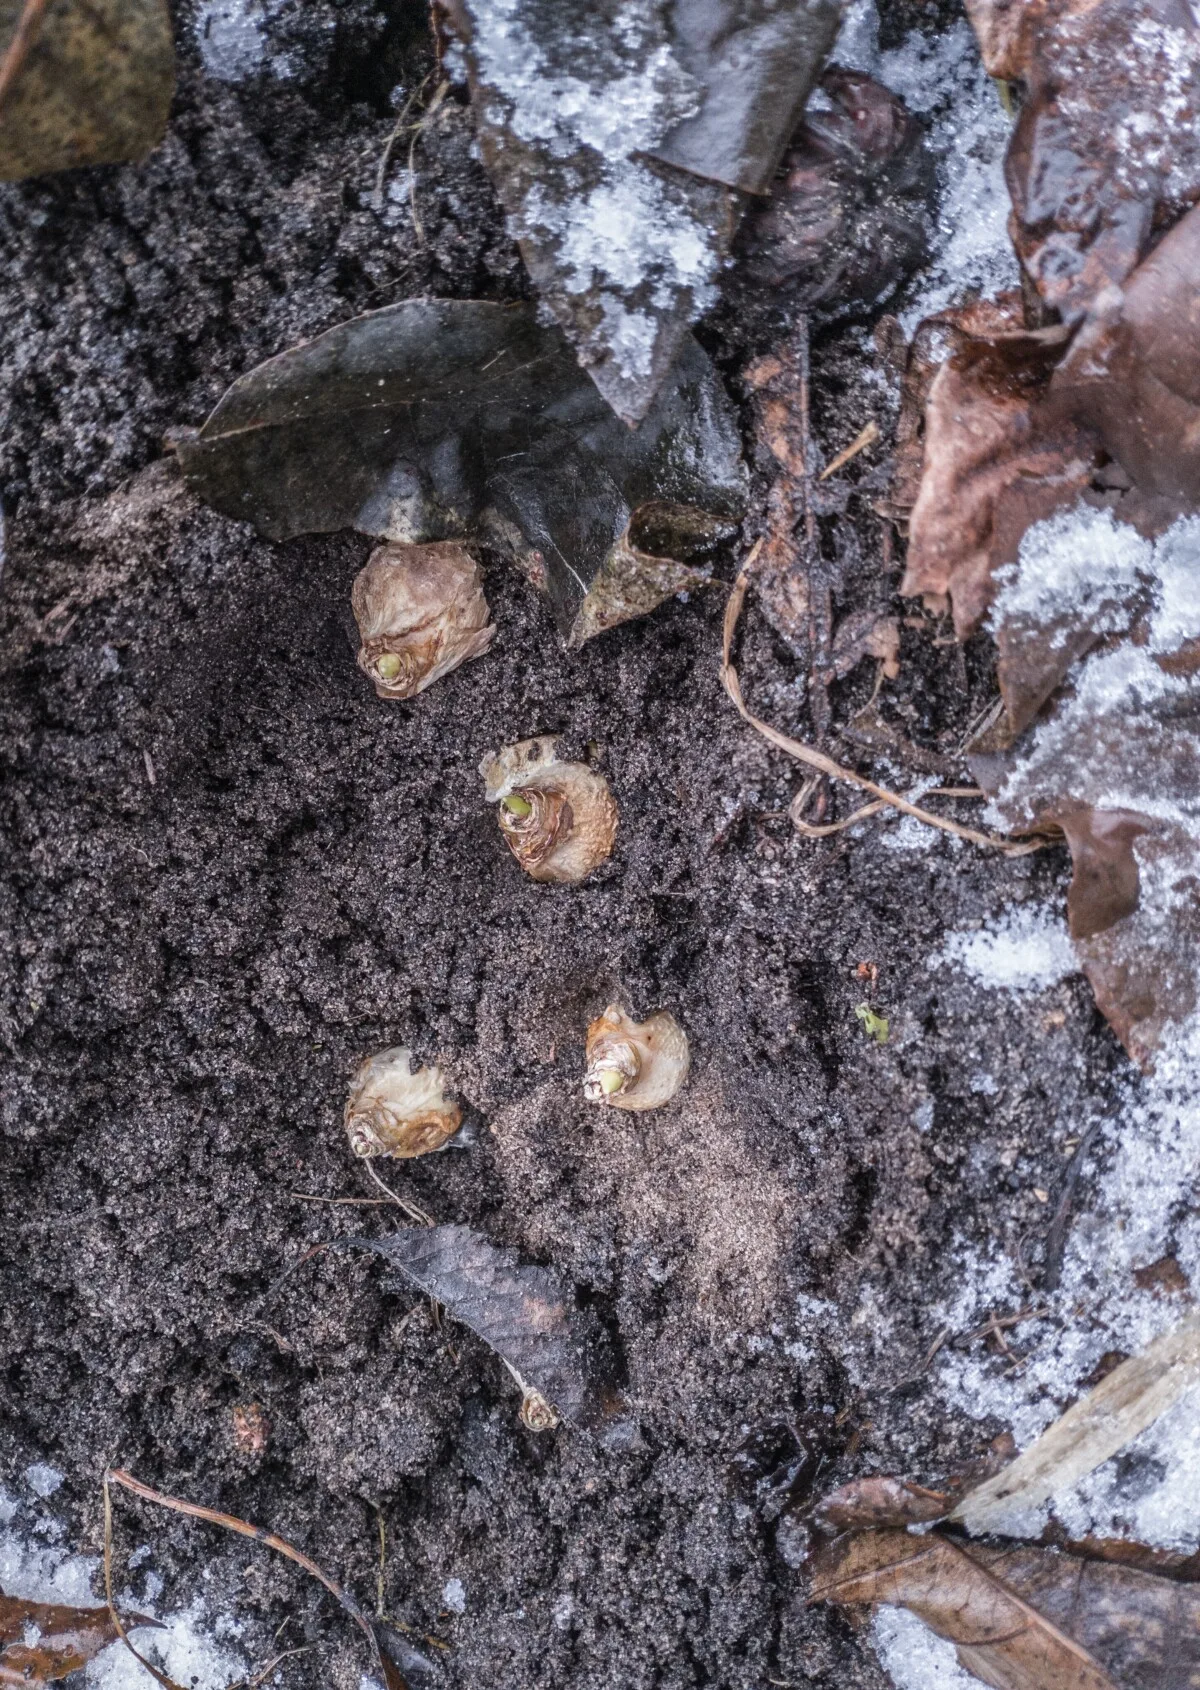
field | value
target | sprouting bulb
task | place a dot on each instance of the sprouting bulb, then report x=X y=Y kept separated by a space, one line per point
x=536 y=1412
x=393 y=1110
x=635 y=1064
x=420 y=612
x=559 y=819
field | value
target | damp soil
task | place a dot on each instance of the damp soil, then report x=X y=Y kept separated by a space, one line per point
x=229 y=872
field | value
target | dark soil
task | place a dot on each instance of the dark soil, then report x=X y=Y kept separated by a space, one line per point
x=229 y=872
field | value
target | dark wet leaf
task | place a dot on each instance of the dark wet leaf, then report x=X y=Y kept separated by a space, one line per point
x=41 y=1642
x=82 y=82
x=451 y=419
x=774 y=1466
x=996 y=456
x=754 y=64
x=525 y=1313
x=572 y=102
x=849 y=215
x=1106 y=148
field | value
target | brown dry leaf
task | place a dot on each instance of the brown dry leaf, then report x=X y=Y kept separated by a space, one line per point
x=41 y=1642
x=1133 y=370
x=880 y=1502
x=1000 y=1636
x=995 y=455
x=1026 y=1619
x=1106 y=148
x=82 y=83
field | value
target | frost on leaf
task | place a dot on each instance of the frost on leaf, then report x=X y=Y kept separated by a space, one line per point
x=82 y=83
x=618 y=139
x=1106 y=148
x=1115 y=764
x=458 y=419
x=525 y=1313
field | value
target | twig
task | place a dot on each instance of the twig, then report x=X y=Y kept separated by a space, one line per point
x=18 y=48
x=262 y=1676
x=356 y=1202
x=817 y=759
x=866 y=437
x=159 y=1677
x=1056 y=1232
x=381 y=173
x=230 y=1523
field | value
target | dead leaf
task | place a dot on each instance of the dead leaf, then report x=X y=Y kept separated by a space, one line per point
x=523 y=1312
x=41 y=1642
x=880 y=1501
x=584 y=117
x=1132 y=372
x=996 y=456
x=848 y=218
x=1115 y=766
x=1130 y=1398
x=966 y=1597
x=458 y=419
x=82 y=83
x=754 y=66
x=1106 y=147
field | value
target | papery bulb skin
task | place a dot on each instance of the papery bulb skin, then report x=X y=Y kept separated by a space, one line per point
x=635 y=1064
x=393 y=1110
x=558 y=819
x=537 y=1415
x=420 y=612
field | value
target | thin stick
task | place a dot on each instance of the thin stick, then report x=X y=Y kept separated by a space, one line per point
x=243 y=1528
x=866 y=437
x=18 y=48
x=356 y=1202
x=817 y=759
x=159 y=1677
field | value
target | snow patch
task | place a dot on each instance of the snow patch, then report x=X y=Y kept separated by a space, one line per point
x=42 y=1479
x=1025 y=949
x=194 y=1648
x=942 y=77
x=454 y=1596
x=232 y=40
x=915 y=1657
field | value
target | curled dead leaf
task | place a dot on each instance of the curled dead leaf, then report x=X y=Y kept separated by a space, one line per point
x=848 y=218
x=523 y=1312
x=1025 y=1619
x=997 y=455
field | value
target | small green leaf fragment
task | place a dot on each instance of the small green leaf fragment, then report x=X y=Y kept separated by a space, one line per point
x=516 y=805
x=876 y=1026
